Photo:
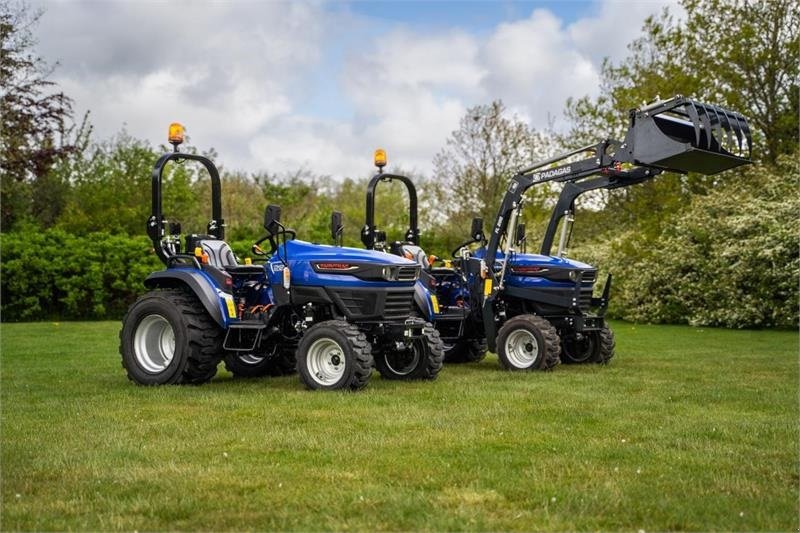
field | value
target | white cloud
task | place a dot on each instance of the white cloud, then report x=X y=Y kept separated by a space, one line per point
x=226 y=70
x=534 y=65
x=617 y=23
x=276 y=86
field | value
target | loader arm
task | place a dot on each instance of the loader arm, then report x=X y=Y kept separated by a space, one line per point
x=572 y=190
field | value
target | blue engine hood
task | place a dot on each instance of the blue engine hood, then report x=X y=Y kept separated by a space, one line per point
x=535 y=260
x=300 y=255
x=306 y=251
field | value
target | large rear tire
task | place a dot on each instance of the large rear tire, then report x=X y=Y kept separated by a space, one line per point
x=334 y=355
x=528 y=342
x=168 y=337
x=422 y=360
x=466 y=351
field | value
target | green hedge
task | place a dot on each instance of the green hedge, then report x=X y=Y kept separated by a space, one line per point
x=730 y=258
x=52 y=274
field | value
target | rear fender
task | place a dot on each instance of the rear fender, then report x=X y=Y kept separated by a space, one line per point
x=218 y=304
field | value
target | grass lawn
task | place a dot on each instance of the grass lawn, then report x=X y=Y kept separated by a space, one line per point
x=686 y=429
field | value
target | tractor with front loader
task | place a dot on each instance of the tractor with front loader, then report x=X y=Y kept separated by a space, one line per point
x=536 y=310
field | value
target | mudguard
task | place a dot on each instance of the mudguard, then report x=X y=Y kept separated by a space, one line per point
x=422 y=297
x=200 y=284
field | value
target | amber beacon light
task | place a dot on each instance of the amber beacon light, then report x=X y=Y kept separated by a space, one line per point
x=176 y=134
x=380 y=158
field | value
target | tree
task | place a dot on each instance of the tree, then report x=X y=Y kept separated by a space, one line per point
x=729 y=258
x=740 y=54
x=473 y=170
x=35 y=119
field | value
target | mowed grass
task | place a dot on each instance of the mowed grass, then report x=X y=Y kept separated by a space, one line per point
x=687 y=429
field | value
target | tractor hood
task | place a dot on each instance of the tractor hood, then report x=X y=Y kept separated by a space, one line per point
x=546 y=261
x=339 y=266
x=536 y=260
x=527 y=269
x=306 y=251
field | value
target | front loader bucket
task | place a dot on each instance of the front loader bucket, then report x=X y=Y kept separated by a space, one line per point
x=682 y=135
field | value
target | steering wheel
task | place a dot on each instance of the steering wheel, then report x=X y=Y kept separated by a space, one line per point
x=257 y=250
x=455 y=253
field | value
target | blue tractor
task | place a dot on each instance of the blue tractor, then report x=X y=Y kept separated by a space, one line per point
x=333 y=313
x=442 y=292
x=536 y=310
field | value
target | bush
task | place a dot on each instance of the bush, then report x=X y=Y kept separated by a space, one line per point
x=730 y=258
x=53 y=274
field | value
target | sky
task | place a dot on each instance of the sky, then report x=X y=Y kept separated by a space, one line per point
x=278 y=87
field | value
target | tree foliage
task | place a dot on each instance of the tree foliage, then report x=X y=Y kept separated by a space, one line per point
x=740 y=54
x=729 y=258
x=473 y=170
x=36 y=128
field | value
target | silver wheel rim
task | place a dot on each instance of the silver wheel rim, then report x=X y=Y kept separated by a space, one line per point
x=250 y=359
x=522 y=349
x=407 y=368
x=154 y=343
x=325 y=361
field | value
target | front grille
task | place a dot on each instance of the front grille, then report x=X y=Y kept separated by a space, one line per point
x=373 y=304
x=588 y=276
x=585 y=300
x=407 y=273
x=398 y=304
x=358 y=303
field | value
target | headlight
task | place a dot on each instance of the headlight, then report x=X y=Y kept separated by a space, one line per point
x=387 y=273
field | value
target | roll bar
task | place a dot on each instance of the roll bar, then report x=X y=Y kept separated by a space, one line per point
x=156 y=222
x=369 y=230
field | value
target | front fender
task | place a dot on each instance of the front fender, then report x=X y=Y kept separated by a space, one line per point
x=422 y=297
x=214 y=301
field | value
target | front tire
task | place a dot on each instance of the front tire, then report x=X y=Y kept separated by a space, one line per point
x=168 y=337
x=607 y=345
x=528 y=342
x=334 y=355
x=422 y=360
x=595 y=347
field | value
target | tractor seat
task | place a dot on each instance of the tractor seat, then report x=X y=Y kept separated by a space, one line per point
x=219 y=253
x=222 y=257
x=416 y=254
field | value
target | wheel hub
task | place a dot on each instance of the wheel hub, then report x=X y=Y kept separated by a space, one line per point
x=154 y=343
x=325 y=361
x=579 y=348
x=403 y=361
x=522 y=348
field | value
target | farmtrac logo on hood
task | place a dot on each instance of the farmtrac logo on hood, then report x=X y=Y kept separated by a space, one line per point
x=553 y=173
